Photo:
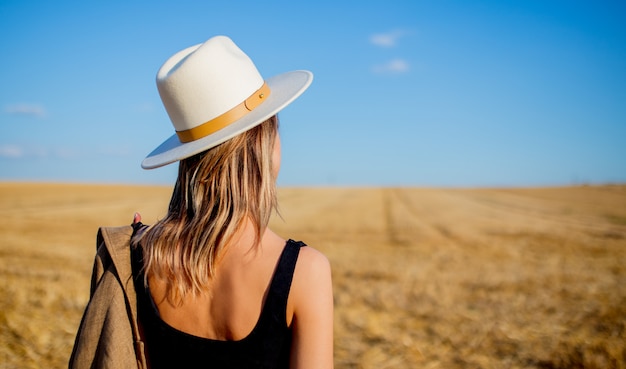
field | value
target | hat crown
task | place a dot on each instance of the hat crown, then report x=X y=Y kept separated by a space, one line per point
x=204 y=81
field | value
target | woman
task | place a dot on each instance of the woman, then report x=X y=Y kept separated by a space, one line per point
x=217 y=287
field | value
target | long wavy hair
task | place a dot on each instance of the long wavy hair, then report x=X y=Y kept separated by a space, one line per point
x=215 y=192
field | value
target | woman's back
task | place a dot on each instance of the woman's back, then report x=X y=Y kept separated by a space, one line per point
x=232 y=307
x=217 y=329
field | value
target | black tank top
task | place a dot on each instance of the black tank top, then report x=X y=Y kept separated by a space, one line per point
x=267 y=346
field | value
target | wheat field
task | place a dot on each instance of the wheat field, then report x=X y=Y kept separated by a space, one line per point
x=423 y=277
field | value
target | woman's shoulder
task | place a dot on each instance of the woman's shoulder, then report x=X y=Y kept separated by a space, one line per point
x=311 y=262
x=310 y=311
x=311 y=280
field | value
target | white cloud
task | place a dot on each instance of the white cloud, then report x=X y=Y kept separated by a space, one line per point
x=11 y=151
x=393 y=66
x=33 y=110
x=25 y=151
x=389 y=39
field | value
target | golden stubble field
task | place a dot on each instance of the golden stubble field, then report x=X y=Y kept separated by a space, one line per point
x=423 y=278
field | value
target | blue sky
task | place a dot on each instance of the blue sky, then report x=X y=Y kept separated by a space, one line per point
x=406 y=93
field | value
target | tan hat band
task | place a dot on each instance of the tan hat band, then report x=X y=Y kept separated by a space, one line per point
x=227 y=118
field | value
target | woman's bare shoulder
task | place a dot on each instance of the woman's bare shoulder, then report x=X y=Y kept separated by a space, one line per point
x=312 y=261
x=311 y=311
x=311 y=278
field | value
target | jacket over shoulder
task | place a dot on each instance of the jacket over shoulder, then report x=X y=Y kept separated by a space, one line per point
x=108 y=335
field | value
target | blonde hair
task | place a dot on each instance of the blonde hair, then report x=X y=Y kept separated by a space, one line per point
x=215 y=192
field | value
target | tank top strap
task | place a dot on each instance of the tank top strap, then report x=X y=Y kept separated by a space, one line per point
x=278 y=293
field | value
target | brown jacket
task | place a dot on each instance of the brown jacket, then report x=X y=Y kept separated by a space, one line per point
x=108 y=336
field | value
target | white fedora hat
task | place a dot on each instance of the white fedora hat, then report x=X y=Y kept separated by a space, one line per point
x=213 y=92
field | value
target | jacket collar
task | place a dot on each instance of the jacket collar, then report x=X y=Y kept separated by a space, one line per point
x=117 y=242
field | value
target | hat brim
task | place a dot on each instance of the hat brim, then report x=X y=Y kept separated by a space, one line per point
x=284 y=88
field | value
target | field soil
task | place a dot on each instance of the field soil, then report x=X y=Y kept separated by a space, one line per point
x=423 y=278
